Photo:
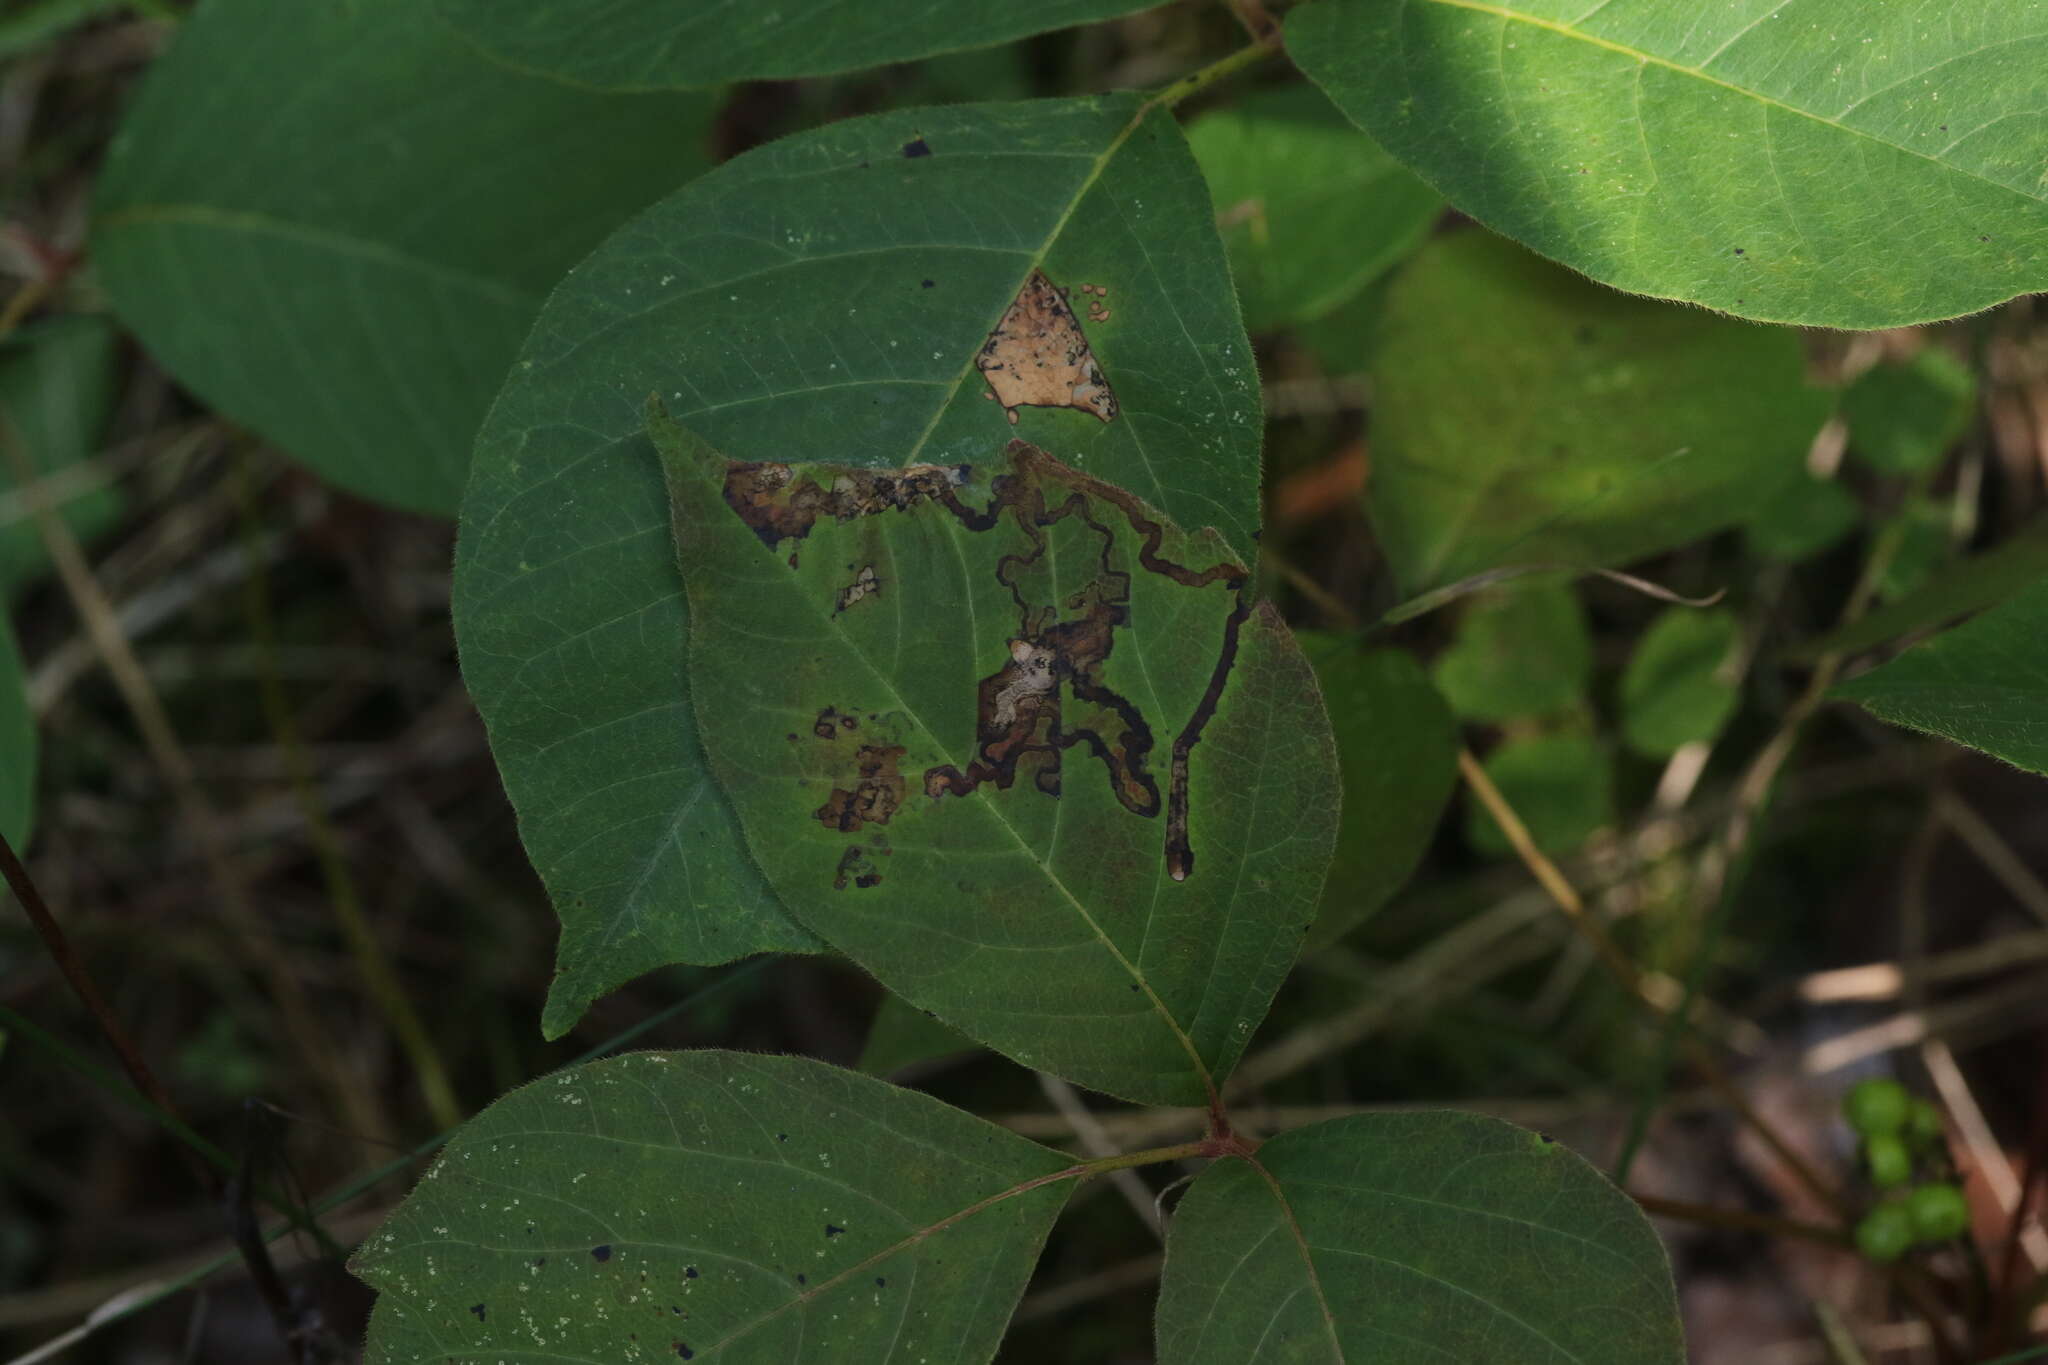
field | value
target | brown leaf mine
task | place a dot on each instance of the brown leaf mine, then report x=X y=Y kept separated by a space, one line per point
x=1038 y=357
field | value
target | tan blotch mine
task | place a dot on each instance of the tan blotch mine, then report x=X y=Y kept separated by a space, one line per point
x=1038 y=357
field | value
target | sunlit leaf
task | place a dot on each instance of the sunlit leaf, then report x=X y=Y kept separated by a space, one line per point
x=1524 y=416
x=1830 y=162
x=610 y=45
x=1984 y=683
x=1015 y=744
x=712 y=1206
x=1397 y=1239
x=825 y=297
x=334 y=222
x=1311 y=210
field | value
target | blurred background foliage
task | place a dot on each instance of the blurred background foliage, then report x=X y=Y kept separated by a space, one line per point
x=263 y=806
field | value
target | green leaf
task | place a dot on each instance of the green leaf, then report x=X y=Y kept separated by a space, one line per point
x=1522 y=649
x=608 y=45
x=1016 y=745
x=1802 y=518
x=1561 y=785
x=1525 y=416
x=1965 y=586
x=1903 y=418
x=58 y=383
x=822 y=294
x=334 y=222
x=1677 y=688
x=712 y=1206
x=1984 y=683
x=1826 y=162
x=17 y=745
x=1397 y=753
x=1311 y=209
x=1387 y=1239
x=903 y=1035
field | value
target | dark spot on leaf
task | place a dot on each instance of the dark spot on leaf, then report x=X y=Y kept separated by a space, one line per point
x=1547 y=1139
x=792 y=736
x=1983 y=239
x=831 y=1231
x=802 y=1278
x=779 y=1137
x=916 y=147
x=877 y=793
x=928 y=283
x=477 y=1309
x=685 y=1352
x=868 y=880
x=1586 y=335
x=539 y=1261
x=601 y=1253
x=690 y=1271
x=881 y=1283
x=1738 y=251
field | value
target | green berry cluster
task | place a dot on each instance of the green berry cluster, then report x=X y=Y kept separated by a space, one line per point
x=1901 y=1133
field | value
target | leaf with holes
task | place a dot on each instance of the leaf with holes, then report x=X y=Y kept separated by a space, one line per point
x=612 y=46
x=1984 y=683
x=846 y=295
x=1015 y=744
x=334 y=222
x=1393 y=1238
x=713 y=1206
x=1830 y=162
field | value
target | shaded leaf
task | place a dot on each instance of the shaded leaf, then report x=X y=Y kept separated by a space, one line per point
x=335 y=222
x=31 y=24
x=1387 y=1239
x=822 y=294
x=1560 y=785
x=1397 y=754
x=1677 y=687
x=1965 y=586
x=1802 y=517
x=1903 y=418
x=17 y=745
x=713 y=1205
x=1826 y=162
x=1926 y=541
x=903 y=1035
x=1015 y=744
x=612 y=46
x=1525 y=416
x=57 y=388
x=1984 y=683
x=1311 y=210
x=1522 y=649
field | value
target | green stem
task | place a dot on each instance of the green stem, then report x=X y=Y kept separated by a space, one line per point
x=1195 y=82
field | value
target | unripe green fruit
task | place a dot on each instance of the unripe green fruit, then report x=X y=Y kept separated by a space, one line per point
x=1938 y=1212
x=1877 y=1106
x=1890 y=1163
x=1924 y=1128
x=1885 y=1232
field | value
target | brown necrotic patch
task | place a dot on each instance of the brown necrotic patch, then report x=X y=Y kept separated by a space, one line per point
x=780 y=504
x=1051 y=694
x=877 y=794
x=1038 y=356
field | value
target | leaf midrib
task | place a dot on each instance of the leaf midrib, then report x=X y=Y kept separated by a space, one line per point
x=1651 y=59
